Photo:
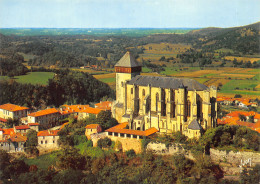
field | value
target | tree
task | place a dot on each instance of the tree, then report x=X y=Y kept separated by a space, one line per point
x=71 y=159
x=32 y=142
x=104 y=118
x=15 y=168
x=238 y=96
x=104 y=143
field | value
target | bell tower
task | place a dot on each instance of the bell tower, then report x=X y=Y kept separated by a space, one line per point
x=126 y=68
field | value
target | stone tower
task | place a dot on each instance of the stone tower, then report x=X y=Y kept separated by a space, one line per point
x=126 y=68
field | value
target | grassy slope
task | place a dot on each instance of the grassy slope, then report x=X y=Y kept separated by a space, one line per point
x=35 y=78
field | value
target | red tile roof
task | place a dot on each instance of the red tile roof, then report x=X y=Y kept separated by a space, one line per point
x=12 y=107
x=33 y=124
x=18 y=138
x=92 y=126
x=121 y=129
x=8 y=131
x=73 y=108
x=91 y=110
x=104 y=105
x=22 y=127
x=3 y=120
x=44 y=112
x=48 y=133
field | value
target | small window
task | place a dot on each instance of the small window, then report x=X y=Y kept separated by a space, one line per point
x=41 y=142
x=132 y=90
x=45 y=142
x=143 y=92
x=53 y=142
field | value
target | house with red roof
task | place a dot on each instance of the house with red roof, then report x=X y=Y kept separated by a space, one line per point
x=12 y=111
x=46 y=117
x=105 y=106
x=87 y=111
x=48 y=139
x=241 y=118
x=92 y=129
x=11 y=141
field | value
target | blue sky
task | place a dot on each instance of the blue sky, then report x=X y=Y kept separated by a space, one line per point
x=128 y=13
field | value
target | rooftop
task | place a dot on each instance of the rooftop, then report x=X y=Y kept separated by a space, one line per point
x=92 y=126
x=22 y=127
x=104 y=105
x=121 y=129
x=194 y=125
x=127 y=60
x=167 y=82
x=48 y=133
x=12 y=107
x=43 y=112
x=91 y=110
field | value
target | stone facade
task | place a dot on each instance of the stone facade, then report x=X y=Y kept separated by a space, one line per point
x=167 y=104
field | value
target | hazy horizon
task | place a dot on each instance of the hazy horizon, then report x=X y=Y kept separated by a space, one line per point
x=127 y=13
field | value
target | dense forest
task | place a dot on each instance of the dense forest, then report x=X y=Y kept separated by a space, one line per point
x=67 y=87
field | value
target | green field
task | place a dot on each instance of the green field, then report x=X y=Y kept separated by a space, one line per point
x=32 y=78
x=35 y=78
x=244 y=87
x=108 y=80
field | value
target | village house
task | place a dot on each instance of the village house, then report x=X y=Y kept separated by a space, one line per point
x=48 y=139
x=67 y=110
x=83 y=114
x=23 y=129
x=241 y=118
x=92 y=129
x=105 y=106
x=46 y=117
x=12 y=111
x=11 y=141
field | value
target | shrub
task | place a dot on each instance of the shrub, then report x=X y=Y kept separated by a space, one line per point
x=104 y=143
x=130 y=153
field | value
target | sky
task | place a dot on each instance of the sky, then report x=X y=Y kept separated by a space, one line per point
x=128 y=13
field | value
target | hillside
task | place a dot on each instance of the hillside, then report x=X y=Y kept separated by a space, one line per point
x=243 y=39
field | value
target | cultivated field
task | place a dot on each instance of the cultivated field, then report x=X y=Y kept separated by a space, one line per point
x=154 y=51
x=244 y=59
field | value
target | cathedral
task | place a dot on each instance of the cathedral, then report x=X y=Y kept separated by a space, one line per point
x=166 y=103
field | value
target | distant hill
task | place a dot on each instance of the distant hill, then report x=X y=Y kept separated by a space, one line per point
x=243 y=39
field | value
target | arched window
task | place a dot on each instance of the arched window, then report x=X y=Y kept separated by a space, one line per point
x=156 y=101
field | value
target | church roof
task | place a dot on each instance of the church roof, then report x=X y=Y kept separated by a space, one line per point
x=127 y=60
x=168 y=82
x=194 y=125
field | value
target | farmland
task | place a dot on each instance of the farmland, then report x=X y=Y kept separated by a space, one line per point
x=230 y=81
x=32 y=78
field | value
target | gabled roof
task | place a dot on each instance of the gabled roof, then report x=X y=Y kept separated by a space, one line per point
x=22 y=127
x=127 y=60
x=12 y=107
x=48 y=133
x=18 y=138
x=167 y=82
x=194 y=125
x=43 y=112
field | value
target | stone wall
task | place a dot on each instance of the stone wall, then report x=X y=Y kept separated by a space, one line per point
x=238 y=158
x=172 y=149
x=128 y=143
